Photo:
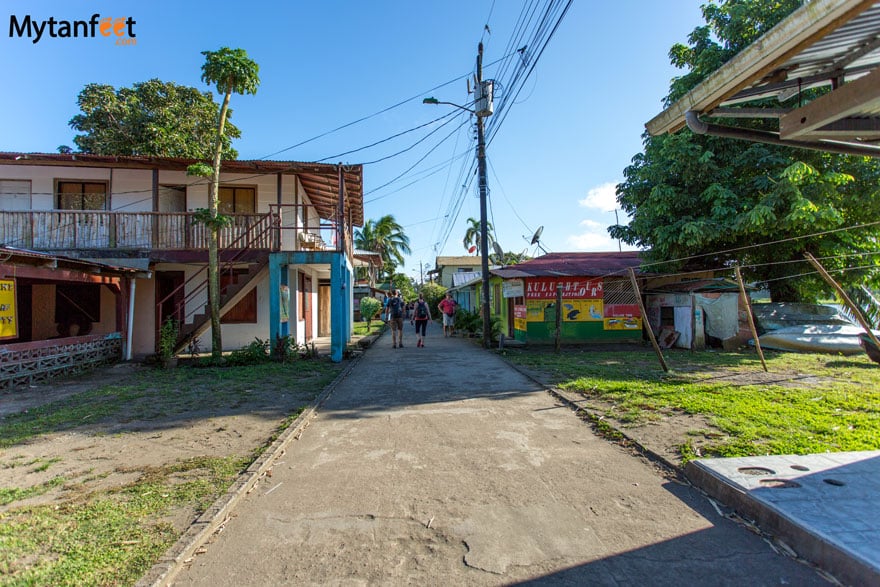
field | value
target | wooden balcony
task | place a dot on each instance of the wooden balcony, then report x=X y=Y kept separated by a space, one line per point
x=65 y=230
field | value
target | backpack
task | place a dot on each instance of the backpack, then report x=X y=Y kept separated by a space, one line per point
x=396 y=308
x=421 y=310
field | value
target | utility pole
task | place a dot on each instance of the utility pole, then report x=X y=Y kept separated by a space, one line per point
x=482 y=108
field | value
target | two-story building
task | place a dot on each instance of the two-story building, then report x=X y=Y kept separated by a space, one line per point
x=286 y=258
x=456 y=270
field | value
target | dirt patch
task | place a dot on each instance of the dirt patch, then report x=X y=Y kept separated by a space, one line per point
x=206 y=417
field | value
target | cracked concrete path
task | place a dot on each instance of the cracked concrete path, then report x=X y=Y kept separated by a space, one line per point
x=444 y=466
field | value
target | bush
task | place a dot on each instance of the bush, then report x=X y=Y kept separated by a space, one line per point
x=433 y=292
x=167 y=339
x=370 y=306
x=252 y=354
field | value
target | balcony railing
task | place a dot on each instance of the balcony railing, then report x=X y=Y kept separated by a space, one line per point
x=65 y=230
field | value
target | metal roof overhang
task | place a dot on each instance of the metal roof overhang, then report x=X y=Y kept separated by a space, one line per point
x=320 y=180
x=824 y=43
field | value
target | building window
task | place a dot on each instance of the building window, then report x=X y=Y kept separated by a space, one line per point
x=496 y=293
x=81 y=195
x=172 y=198
x=237 y=200
x=15 y=195
x=245 y=311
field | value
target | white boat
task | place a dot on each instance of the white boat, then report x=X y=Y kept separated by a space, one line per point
x=815 y=338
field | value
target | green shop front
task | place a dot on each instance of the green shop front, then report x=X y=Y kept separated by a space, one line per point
x=597 y=304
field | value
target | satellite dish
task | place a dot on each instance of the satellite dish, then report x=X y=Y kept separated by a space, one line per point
x=537 y=236
x=498 y=251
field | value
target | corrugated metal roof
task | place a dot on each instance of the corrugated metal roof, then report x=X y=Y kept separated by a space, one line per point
x=575 y=265
x=320 y=180
x=13 y=254
x=824 y=43
x=698 y=285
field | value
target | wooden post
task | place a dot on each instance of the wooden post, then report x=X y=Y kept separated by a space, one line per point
x=558 y=316
x=748 y=304
x=849 y=303
x=635 y=284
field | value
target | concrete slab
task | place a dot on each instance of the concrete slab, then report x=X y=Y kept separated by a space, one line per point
x=443 y=465
x=824 y=506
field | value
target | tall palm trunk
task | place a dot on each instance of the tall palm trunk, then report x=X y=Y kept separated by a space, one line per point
x=213 y=247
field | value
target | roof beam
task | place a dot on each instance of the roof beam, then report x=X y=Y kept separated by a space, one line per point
x=788 y=38
x=748 y=112
x=846 y=100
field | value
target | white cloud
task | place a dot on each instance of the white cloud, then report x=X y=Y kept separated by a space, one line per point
x=594 y=237
x=602 y=197
x=592 y=224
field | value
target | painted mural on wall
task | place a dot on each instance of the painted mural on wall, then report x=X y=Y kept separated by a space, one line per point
x=582 y=301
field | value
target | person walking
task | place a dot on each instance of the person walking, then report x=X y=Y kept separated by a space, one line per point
x=395 y=318
x=447 y=307
x=421 y=317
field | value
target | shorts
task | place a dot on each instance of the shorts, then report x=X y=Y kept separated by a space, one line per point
x=396 y=324
x=448 y=320
x=421 y=326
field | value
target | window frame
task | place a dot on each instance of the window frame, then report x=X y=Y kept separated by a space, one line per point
x=235 y=188
x=57 y=193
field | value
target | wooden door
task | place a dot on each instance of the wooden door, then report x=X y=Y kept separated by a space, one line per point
x=173 y=307
x=323 y=309
x=305 y=304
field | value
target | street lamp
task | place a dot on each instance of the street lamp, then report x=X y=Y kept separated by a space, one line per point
x=483 y=108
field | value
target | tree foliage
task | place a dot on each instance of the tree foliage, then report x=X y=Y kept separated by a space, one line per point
x=151 y=118
x=386 y=237
x=433 y=292
x=472 y=236
x=698 y=201
x=370 y=307
x=232 y=71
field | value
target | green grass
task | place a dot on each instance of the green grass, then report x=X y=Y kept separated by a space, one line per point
x=806 y=404
x=112 y=537
x=360 y=328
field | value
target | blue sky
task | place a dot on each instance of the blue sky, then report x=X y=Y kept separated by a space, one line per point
x=554 y=157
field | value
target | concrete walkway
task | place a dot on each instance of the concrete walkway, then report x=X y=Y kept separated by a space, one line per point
x=445 y=466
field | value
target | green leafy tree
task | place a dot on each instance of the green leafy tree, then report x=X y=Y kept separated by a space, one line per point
x=386 y=237
x=708 y=201
x=472 y=234
x=151 y=118
x=433 y=292
x=230 y=70
x=370 y=306
x=509 y=258
x=405 y=285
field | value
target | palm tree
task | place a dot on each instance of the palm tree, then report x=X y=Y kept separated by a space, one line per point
x=232 y=71
x=472 y=234
x=386 y=237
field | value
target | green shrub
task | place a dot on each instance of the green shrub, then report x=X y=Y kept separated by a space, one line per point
x=370 y=306
x=254 y=353
x=433 y=292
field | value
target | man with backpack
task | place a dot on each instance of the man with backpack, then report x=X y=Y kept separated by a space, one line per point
x=395 y=318
x=421 y=316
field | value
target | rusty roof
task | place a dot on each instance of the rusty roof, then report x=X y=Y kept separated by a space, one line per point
x=575 y=265
x=320 y=180
x=51 y=260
